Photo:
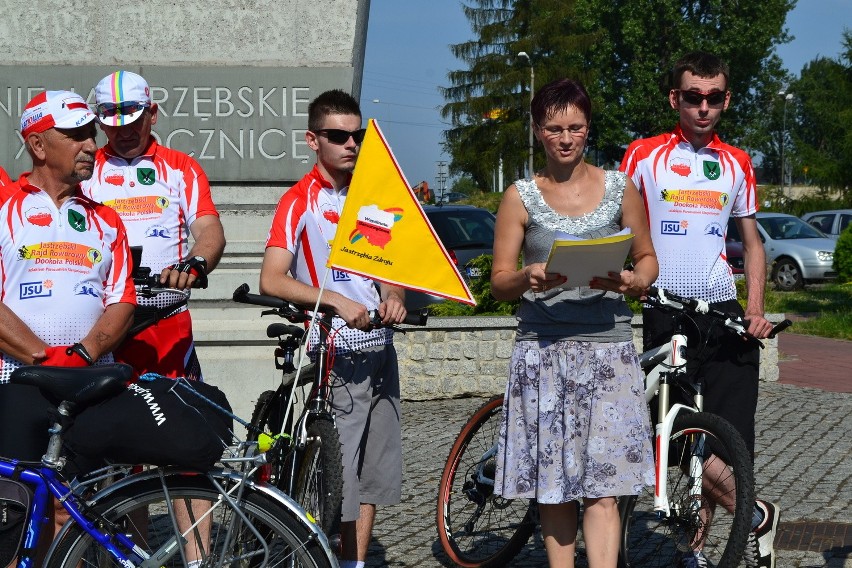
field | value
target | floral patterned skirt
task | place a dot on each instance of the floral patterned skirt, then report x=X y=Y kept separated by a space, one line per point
x=575 y=423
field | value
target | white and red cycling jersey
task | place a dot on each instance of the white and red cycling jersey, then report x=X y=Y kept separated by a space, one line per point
x=305 y=223
x=689 y=196
x=60 y=267
x=158 y=194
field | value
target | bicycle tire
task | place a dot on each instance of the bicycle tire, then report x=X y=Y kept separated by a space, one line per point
x=478 y=529
x=648 y=541
x=267 y=416
x=141 y=510
x=319 y=482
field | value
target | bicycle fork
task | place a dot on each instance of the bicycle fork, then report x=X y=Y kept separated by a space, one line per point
x=665 y=422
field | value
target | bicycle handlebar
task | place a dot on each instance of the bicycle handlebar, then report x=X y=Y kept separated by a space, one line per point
x=664 y=299
x=149 y=286
x=296 y=314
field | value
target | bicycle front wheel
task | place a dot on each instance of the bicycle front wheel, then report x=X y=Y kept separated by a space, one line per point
x=154 y=511
x=476 y=527
x=319 y=483
x=717 y=521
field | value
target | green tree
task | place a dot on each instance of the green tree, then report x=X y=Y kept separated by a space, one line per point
x=822 y=129
x=645 y=37
x=489 y=101
x=623 y=51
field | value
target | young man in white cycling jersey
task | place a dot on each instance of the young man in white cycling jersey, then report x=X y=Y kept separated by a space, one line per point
x=692 y=183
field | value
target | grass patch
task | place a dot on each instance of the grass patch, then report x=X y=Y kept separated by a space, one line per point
x=827 y=309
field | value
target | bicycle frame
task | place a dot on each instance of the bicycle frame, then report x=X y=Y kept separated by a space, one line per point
x=319 y=403
x=47 y=483
x=664 y=364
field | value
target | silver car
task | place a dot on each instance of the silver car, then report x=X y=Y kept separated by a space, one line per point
x=796 y=253
x=832 y=223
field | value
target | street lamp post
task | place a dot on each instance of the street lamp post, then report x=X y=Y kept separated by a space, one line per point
x=524 y=55
x=787 y=97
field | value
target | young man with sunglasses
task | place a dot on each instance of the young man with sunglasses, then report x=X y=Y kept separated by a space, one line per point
x=692 y=183
x=364 y=378
x=162 y=196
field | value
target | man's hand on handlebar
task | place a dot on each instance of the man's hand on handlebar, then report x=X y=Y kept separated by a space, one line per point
x=353 y=313
x=191 y=273
x=758 y=326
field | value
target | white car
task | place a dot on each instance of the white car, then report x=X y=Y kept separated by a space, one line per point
x=796 y=253
x=832 y=223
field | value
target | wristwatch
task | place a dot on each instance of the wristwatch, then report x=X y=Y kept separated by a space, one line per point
x=80 y=350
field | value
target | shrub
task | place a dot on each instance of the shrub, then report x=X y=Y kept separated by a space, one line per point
x=481 y=290
x=843 y=256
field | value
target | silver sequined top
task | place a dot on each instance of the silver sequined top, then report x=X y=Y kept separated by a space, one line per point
x=581 y=313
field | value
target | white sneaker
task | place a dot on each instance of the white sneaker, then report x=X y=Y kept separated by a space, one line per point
x=760 y=549
x=694 y=559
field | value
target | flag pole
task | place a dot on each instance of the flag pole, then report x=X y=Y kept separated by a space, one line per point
x=304 y=351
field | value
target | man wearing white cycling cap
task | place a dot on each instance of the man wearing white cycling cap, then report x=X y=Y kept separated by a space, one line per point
x=67 y=294
x=162 y=196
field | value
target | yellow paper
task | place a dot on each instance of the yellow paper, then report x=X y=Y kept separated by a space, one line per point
x=583 y=259
x=383 y=232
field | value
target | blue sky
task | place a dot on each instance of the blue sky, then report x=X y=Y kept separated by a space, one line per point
x=408 y=57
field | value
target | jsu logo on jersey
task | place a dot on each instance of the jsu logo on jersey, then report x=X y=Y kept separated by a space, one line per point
x=673 y=227
x=340 y=276
x=36 y=289
x=157 y=231
x=85 y=289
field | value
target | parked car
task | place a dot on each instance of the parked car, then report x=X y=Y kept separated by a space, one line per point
x=734 y=254
x=832 y=223
x=466 y=232
x=451 y=197
x=796 y=253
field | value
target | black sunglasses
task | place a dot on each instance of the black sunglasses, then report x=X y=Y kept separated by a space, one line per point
x=337 y=136
x=695 y=97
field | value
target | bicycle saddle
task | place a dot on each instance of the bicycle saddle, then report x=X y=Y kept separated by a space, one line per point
x=83 y=386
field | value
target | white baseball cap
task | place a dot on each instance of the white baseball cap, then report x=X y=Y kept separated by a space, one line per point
x=55 y=109
x=121 y=98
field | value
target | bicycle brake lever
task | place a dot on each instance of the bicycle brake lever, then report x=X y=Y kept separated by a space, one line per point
x=738 y=325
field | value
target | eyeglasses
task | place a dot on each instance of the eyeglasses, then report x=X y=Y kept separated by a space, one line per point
x=697 y=97
x=107 y=110
x=556 y=131
x=337 y=136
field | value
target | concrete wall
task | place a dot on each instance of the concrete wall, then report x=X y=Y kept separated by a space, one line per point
x=257 y=33
x=451 y=357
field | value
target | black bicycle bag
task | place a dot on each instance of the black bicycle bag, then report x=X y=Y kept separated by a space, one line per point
x=15 y=502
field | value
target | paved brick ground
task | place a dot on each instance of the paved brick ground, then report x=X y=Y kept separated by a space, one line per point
x=808 y=361
x=803 y=463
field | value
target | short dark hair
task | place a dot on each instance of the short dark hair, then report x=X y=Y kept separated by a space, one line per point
x=335 y=101
x=557 y=96
x=701 y=64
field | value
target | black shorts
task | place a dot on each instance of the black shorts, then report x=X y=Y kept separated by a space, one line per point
x=725 y=363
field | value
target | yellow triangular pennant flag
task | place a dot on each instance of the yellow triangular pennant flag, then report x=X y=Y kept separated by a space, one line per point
x=383 y=233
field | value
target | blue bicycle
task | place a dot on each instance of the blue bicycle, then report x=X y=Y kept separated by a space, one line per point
x=149 y=519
